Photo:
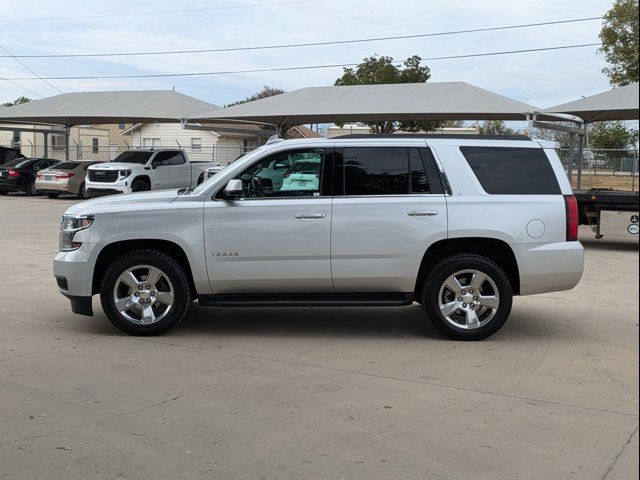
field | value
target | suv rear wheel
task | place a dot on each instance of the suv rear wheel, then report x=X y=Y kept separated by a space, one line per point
x=467 y=297
x=145 y=292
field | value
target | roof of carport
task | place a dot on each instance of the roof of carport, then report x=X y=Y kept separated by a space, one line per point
x=402 y=102
x=617 y=104
x=82 y=108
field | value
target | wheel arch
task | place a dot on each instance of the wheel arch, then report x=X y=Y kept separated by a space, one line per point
x=116 y=249
x=495 y=250
x=144 y=178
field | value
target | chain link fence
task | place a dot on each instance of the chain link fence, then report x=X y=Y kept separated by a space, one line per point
x=603 y=169
x=222 y=154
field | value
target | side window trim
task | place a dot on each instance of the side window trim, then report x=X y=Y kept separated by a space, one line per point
x=428 y=162
x=433 y=172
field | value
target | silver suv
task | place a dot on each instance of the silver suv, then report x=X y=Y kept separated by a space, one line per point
x=459 y=224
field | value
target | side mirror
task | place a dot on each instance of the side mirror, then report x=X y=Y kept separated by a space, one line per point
x=233 y=190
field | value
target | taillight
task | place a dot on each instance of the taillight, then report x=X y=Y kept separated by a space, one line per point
x=64 y=175
x=571 y=207
x=14 y=173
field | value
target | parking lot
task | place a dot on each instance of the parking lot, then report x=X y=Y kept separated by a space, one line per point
x=314 y=393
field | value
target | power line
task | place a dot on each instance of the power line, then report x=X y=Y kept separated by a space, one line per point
x=25 y=66
x=20 y=86
x=161 y=12
x=310 y=44
x=307 y=67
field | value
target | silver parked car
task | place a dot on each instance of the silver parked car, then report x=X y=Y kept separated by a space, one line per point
x=65 y=177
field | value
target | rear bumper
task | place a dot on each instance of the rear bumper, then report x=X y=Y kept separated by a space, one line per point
x=549 y=267
x=11 y=185
x=51 y=186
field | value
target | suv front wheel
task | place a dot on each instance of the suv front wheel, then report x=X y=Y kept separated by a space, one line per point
x=145 y=292
x=467 y=297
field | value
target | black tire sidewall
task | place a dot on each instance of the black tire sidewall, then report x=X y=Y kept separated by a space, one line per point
x=177 y=276
x=53 y=195
x=82 y=191
x=139 y=186
x=31 y=189
x=454 y=264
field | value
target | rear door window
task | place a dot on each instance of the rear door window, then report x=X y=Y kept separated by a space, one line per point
x=387 y=171
x=512 y=170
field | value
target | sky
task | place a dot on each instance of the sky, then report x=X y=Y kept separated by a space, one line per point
x=542 y=79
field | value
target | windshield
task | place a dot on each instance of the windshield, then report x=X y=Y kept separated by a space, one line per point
x=133 y=157
x=245 y=157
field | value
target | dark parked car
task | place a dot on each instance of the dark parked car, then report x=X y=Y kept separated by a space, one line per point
x=19 y=175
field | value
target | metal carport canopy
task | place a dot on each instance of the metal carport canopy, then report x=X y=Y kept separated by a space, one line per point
x=86 y=108
x=618 y=104
x=403 y=101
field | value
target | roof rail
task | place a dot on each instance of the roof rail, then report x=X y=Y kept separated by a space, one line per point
x=274 y=139
x=457 y=136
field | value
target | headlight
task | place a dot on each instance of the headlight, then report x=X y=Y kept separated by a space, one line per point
x=124 y=173
x=69 y=226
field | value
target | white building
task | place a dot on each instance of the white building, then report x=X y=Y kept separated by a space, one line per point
x=203 y=145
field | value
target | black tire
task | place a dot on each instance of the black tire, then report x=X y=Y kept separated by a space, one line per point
x=173 y=271
x=200 y=179
x=82 y=192
x=452 y=265
x=140 y=185
x=31 y=189
x=53 y=195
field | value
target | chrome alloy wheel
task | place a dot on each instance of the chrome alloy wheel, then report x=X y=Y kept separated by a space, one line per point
x=469 y=299
x=143 y=294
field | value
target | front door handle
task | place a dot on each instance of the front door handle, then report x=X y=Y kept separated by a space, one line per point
x=424 y=213
x=309 y=216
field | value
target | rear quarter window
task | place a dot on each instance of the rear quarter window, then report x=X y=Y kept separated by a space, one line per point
x=512 y=171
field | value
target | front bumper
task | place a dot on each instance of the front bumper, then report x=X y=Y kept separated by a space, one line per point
x=98 y=189
x=549 y=267
x=73 y=272
x=101 y=192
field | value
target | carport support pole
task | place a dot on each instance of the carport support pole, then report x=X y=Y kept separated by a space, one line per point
x=66 y=147
x=572 y=146
x=580 y=154
x=46 y=145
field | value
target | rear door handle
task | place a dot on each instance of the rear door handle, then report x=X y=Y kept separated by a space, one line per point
x=309 y=216
x=425 y=213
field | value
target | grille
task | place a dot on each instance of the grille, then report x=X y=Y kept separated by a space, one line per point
x=107 y=176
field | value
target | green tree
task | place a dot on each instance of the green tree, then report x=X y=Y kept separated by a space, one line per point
x=495 y=127
x=17 y=101
x=380 y=69
x=265 y=92
x=612 y=135
x=619 y=36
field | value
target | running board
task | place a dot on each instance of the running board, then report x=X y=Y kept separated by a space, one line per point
x=306 y=299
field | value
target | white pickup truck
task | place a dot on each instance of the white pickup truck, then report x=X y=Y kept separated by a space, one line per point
x=145 y=169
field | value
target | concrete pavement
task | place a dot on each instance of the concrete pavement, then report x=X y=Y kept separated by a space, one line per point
x=314 y=393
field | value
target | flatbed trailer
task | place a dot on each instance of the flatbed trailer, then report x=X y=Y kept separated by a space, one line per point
x=611 y=213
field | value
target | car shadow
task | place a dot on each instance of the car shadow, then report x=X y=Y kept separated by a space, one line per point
x=605 y=244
